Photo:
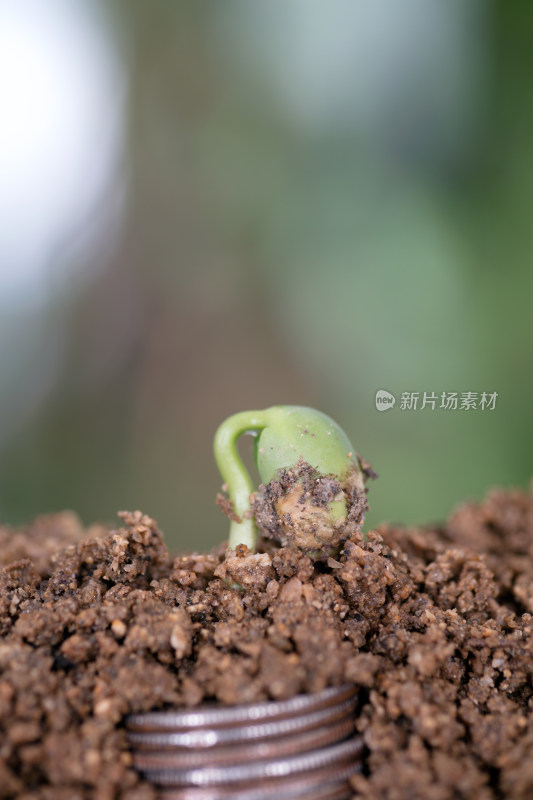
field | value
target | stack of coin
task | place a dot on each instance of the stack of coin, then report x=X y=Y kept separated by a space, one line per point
x=304 y=747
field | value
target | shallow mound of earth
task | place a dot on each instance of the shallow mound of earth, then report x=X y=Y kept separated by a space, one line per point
x=434 y=625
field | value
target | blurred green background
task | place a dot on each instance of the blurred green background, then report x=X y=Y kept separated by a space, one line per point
x=208 y=207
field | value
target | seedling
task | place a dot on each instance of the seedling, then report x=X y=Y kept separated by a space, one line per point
x=293 y=445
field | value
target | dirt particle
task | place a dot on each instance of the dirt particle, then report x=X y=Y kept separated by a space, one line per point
x=119 y=628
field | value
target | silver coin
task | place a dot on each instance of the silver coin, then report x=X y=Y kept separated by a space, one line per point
x=326 y=758
x=245 y=753
x=215 y=716
x=332 y=778
x=328 y=791
x=210 y=738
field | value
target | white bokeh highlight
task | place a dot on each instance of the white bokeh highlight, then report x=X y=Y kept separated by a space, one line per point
x=62 y=182
x=62 y=95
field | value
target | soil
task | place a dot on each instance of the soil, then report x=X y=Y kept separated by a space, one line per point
x=434 y=624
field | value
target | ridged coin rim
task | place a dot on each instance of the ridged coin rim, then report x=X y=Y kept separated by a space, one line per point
x=205 y=738
x=215 y=716
x=265 y=770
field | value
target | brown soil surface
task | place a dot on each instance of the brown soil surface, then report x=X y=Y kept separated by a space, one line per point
x=433 y=624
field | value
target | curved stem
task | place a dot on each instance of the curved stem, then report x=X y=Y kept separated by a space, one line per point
x=235 y=475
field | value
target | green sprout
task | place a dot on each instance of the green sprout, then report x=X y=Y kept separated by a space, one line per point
x=285 y=436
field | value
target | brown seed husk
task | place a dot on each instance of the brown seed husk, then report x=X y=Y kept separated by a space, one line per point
x=294 y=509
